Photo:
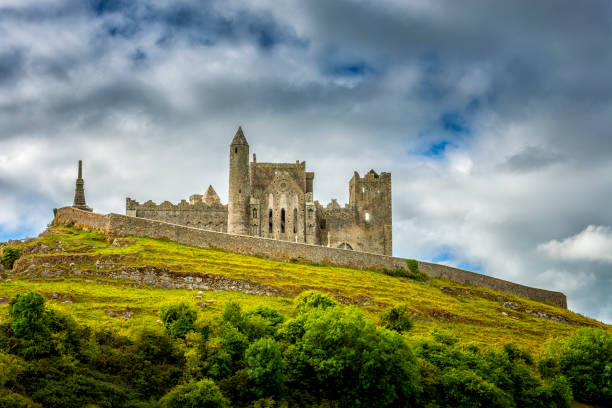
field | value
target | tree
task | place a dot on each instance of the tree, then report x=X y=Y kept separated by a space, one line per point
x=341 y=356
x=265 y=365
x=586 y=360
x=179 y=319
x=201 y=394
x=397 y=318
x=30 y=324
x=9 y=256
x=313 y=300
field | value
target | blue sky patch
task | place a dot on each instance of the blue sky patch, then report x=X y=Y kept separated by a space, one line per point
x=454 y=122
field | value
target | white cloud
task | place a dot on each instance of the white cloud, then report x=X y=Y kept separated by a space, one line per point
x=592 y=244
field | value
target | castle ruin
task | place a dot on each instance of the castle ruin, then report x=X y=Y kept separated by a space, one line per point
x=275 y=200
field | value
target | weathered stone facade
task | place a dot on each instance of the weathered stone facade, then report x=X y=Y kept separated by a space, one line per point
x=275 y=200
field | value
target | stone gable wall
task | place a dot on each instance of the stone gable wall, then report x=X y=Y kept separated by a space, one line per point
x=286 y=251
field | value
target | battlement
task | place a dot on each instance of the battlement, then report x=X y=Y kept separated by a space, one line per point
x=122 y=225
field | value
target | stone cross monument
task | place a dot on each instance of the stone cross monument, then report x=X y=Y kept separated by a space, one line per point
x=79 y=192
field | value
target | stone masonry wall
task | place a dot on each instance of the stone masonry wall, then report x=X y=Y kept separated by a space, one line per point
x=488 y=282
x=285 y=251
x=79 y=218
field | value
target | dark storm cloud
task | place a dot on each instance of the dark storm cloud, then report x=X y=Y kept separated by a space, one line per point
x=201 y=23
x=494 y=117
x=11 y=62
x=532 y=158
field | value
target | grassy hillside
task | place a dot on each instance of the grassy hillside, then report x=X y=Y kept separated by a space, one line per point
x=471 y=314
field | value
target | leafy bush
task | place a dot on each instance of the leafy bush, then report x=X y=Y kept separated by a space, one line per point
x=464 y=388
x=397 y=318
x=30 y=324
x=9 y=256
x=201 y=394
x=340 y=356
x=313 y=300
x=233 y=342
x=561 y=391
x=403 y=273
x=179 y=319
x=13 y=400
x=232 y=314
x=265 y=365
x=412 y=264
x=586 y=360
x=153 y=364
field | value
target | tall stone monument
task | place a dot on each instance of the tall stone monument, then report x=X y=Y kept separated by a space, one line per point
x=79 y=192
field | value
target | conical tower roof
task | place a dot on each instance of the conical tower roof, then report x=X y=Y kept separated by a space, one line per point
x=239 y=138
x=211 y=197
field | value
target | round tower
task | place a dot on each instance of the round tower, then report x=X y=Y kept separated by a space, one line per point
x=239 y=186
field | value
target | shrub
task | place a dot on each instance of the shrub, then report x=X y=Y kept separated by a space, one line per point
x=30 y=324
x=262 y=321
x=201 y=394
x=13 y=400
x=313 y=300
x=561 y=391
x=403 y=273
x=233 y=342
x=586 y=360
x=463 y=388
x=232 y=314
x=397 y=318
x=9 y=256
x=179 y=319
x=264 y=364
x=412 y=264
x=54 y=212
x=341 y=356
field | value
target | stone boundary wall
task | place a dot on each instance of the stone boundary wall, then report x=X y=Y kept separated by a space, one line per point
x=286 y=251
x=80 y=218
x=488 y=282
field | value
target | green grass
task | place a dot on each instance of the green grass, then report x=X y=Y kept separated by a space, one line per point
x=471 y=314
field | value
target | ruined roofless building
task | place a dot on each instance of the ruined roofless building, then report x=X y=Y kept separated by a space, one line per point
x=79 y=191
x=275 y=200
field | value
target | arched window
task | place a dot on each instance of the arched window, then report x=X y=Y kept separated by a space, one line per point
x=254 y=213
x=367 y=217
x=235 y=150
x=270 y=221
x=295 y=220
x=282 y=221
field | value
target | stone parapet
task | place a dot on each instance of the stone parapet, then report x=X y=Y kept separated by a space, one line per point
x=286 y=251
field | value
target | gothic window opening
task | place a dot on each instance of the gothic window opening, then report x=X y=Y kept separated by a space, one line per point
x=295 y=220
x=282 y=221
x=367 y=217
x=270 y=221
x=254 y=212
x=323 y=224
x=235 y=150
x=345 y=245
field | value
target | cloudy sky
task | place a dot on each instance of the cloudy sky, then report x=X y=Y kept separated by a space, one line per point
x=494 y=118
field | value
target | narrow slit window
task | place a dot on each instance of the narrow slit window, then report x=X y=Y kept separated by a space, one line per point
x=270 y=221
x=367 y=217
x=295 y=220
x=254 y=212
x=282 y=221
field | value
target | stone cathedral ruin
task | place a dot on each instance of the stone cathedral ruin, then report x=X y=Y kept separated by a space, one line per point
x=275 y=200
x=272 y=214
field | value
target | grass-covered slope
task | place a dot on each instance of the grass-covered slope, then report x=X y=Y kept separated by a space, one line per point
x=80 y=286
